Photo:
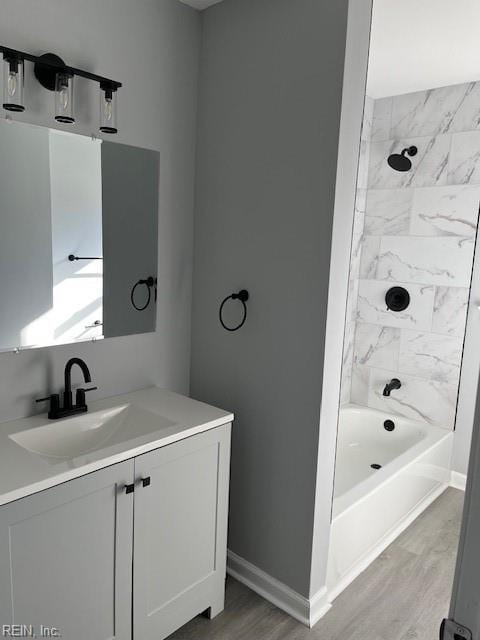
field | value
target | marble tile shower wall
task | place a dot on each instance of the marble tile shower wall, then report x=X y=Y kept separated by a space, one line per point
x=419 y=231
x=355 y=256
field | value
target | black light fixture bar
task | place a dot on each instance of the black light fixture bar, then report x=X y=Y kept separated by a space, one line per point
x=59 y=66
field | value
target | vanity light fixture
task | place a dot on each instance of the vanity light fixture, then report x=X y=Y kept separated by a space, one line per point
x=108 y=108
x=53 y=74
x=13 y=82
x=64 y=98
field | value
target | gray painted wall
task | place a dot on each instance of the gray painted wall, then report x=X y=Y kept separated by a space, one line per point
x=130 y=203
x=152 y=47
x=271 y=82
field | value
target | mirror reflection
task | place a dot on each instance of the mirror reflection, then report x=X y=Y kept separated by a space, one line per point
x=78 y=247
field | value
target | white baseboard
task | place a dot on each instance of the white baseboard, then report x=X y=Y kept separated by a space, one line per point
x=319 y=606
x=458 y=480
x=307 y=611
x=269 y=588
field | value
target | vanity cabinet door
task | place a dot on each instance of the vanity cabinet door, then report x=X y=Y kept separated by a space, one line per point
x=180 y=533
x=66 y=557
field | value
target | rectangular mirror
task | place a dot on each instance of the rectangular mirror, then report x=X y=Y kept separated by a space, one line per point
x=78 y=237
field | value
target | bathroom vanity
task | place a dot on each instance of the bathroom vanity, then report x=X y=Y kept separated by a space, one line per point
x=113 y=524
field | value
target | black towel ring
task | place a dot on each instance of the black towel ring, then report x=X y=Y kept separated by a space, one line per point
x=243 y=296
x=149 y=283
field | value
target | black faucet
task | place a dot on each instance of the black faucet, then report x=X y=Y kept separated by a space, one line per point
x=390 y=386
x=56 y=410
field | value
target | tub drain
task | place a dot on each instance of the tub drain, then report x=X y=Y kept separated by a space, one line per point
x=376 y=466
x=389 y=425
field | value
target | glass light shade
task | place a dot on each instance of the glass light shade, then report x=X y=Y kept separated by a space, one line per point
x=108 y=110
x=64 y=98
x=13 y=84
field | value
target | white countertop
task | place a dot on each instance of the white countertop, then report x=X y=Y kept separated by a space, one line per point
x=23 y=473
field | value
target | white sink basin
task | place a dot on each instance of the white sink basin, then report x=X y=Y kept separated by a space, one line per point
x=73 y=437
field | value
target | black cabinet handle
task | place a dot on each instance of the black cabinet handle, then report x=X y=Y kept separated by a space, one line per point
x=129 y=488
x=146 y=482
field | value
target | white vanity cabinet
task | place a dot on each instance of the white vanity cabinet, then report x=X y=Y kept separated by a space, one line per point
x=65 y=557
x=142 y=540
x=180 y=533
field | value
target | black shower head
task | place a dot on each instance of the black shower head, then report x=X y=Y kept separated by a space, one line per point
x=400 y=162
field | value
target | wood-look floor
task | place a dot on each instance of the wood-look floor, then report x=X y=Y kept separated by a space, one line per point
x=403 y=595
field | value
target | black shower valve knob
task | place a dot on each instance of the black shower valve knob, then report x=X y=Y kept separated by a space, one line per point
x=397 y=299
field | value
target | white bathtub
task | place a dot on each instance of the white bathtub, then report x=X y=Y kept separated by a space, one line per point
x=372 y=506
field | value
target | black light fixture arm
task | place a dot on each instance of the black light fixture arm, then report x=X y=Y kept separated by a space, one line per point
x=56 y=64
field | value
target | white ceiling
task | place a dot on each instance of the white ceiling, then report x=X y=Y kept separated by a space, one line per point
x=200 y=4
x=421 y=44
